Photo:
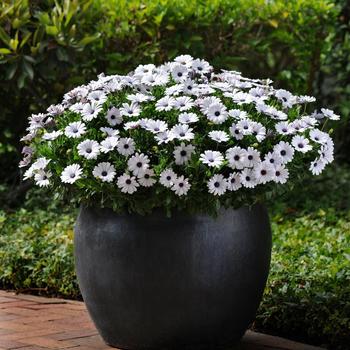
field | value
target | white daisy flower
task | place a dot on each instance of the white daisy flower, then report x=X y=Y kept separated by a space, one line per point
x=217 y=185
x=165 y=104
x=183 y=153
x=285 y=150
x=167 y=178
x=132 y=125
x=273 y=158
x=108 y=144
x=234 y=182
x=212 y=158
x=181 y=186
x=236 y=132
x=328 y=113
x=147 y=179
x=155 y=126
x=140 y=98
x=259 y=131
x=245 y=126
x=264 y=172
x=126 y=146
x=185 y=60
x=75 y=129
x=77 y=107
x=206 y=102
x=217 y=113
x=219 y=136
x=98 y=97
x=179 y=72
x=201 y=66
x=317 y=166
x=181 y=132
x=163 y=137
x=252 y=157
x=71 y=173
x=281 y=174
x=89 y=149
x=53 y=135
x=127 y=183
x=113 y=116
x=130 y=110
x=236 y=157
x=188 y=118
x=90 y=111
x=284 y=128
x=248 y=179
x=298 y=126
x=286 y=98
x=189 y=87
x=326 y=154
x=104 y=171
x=183 y=103
x=306 y=99
x=309 y=121
x=42 y=178
x=40 y=163
x=318 y=136
x=237 y=114
x=144 y=69
x=138 y=164
x=301 y=144
x=109 y=131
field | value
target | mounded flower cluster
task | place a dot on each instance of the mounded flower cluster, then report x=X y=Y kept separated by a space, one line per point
x=176 y=135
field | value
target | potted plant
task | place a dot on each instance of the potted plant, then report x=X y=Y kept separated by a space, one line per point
x=171 y=165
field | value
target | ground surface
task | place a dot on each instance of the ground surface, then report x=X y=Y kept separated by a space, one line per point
x=36 y=323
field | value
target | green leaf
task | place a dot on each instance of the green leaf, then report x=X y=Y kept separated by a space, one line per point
x=88 y=39
x=4 y=36
x=28 y=69
x=51 y=30
x=5 y=51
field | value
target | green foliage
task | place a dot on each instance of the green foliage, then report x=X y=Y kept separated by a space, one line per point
x=49 y=46
x=308 y=292
x=36 y=251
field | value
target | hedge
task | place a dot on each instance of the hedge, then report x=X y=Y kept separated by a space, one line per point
x=47 y=47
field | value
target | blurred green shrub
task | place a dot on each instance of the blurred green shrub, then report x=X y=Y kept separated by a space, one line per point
x=47 y=47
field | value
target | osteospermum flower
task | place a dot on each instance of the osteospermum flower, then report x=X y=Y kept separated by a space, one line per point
x=301 y=144
x=167 y=178
x=42 y=178
x=113 y=117
x=181 y=132
x=183 y=153
x=126 y=146
x=108 y=144
x=217 y=113
x=219 y=136
x=248 y=178
x=328 y=113
x=147 y=178
x=165 y=104
x=89 y=149
x=71 y=173
x=281 y=174
x=90 y=111
x=181 y=186
x=264 y=172
x=217 y=185
x=183 y=103
x=236 y=157
x=188 y=118
x=130 y=110
x=212 y=158
x=285 y=151
x=234 y=182
x=127 y=183
x=75 y=129
x=53 y=135
x=104 y=171
x=138 y=164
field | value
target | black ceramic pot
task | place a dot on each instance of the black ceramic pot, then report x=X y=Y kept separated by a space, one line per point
x=187 y=281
